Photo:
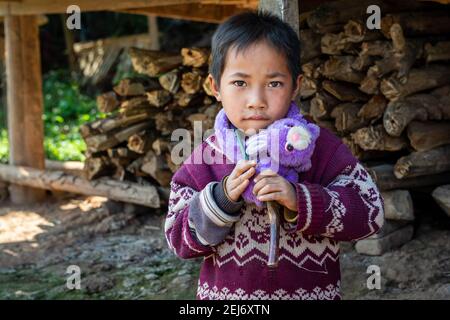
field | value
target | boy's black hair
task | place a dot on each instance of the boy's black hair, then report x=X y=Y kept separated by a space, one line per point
x=245 y=29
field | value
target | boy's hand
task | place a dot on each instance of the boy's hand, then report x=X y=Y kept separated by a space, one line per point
x=238 y=179
x=270 y=186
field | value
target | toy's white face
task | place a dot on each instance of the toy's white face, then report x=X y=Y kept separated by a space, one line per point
x=298 y=137
x=256 y=87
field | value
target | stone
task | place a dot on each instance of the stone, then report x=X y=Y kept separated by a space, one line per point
x=442 y=196
x=388 y=227
x=398 y=205
x=378 y=246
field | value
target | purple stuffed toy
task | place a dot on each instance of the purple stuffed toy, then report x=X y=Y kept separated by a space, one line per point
x=285 y=147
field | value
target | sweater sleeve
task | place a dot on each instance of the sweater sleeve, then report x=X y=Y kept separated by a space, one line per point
x=346 y=206
x=195 y=223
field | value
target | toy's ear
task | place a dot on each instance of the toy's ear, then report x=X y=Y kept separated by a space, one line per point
x=299 y=137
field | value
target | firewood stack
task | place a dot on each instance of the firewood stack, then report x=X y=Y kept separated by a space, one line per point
x=386 y=93
x=133 y=142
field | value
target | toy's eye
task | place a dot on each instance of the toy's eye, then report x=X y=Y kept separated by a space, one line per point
x=289 y=147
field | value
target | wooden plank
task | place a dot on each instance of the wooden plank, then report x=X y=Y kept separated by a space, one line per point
x=212 y=13
x=24 y=100
x=60 y=181
x=27 y=7
x=286 y=10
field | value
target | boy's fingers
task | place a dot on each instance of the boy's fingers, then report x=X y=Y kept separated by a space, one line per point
x=268 y=188
x=265 y=174
x=274 y=196
x=241 y=167
x=246 y=175
x=236 y=192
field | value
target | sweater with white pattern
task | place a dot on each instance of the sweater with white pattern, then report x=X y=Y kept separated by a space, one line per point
x=336 y=201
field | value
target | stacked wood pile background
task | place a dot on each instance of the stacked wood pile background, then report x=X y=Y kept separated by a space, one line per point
x=133 y=143
x=386 y=93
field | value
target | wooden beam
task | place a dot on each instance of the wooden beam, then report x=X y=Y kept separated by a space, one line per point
x=60 y=181
x=212 y=13
x=28 y=7
x=24 y=100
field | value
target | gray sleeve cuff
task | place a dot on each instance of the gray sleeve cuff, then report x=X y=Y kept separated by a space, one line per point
x=225 y=204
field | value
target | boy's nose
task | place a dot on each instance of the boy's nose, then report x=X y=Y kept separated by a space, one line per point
x=256 y=100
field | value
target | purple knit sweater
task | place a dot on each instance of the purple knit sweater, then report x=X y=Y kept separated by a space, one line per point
x=337 y=201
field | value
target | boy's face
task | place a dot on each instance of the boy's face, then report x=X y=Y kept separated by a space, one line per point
x=255 y=87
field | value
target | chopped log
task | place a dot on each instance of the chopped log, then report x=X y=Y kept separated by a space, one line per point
x=370 y=85
x=172 y=166
x=418 y=23
x=310 y=44
x=158 y=98
x=97 y=167
x=111 y=123
x=73 y=167
x=329 y=125
x=195 y=57
x=401 y=58
x=344 y=91
x=373 y=109
x=157 y=168
x=60 y=181
x=153 y=63
x=442 y=197
x=339 y=12
x=421 y=107
x=359 y=153
x=419 y=79
x=346 y=117
x=192 y=82
x=438 y=52
x=311 y=68
x=134 y=105
x=356 y=31
x=170 y=81
x=135 y=167
x=164 y=123
x=376 y=138
x=308 y=88
x=122 y=152
x=322 y=105
x=335 y=44
x=385 y=179
x=423 y=163
x=108 y=140
x=340 y=68
x=160 y=146
x=129 y=87
x=185 y=100
x=140 y=142
x=108 y=102
x=370 y=50
x=428 y=135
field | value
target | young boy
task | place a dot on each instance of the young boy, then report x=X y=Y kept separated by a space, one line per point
x=255 y=73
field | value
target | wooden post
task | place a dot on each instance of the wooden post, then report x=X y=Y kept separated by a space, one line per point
x=286 y=10
x=153 y=30
x=24 y=99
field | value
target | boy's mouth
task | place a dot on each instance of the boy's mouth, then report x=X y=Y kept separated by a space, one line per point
x=256 y=117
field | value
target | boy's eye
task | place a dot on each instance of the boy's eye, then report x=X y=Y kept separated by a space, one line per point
x=275 y=84
x=239 y=83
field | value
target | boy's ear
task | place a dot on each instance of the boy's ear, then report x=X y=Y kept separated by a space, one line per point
x=214 y=87
x=298 y=86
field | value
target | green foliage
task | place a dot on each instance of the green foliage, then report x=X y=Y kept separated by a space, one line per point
x=65 y=109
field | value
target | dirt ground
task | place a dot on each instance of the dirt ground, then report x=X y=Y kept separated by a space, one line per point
x=122 y=254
